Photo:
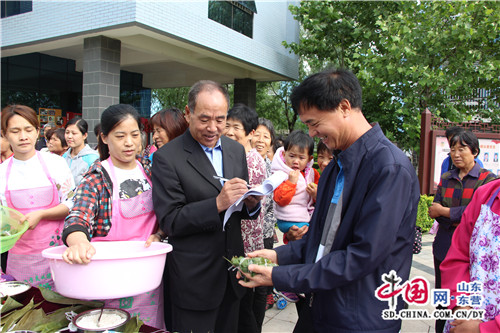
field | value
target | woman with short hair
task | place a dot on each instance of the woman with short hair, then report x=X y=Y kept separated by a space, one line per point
x=57 y=141
x=167 y=124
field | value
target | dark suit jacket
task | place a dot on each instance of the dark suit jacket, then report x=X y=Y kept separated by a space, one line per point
x=184 y=194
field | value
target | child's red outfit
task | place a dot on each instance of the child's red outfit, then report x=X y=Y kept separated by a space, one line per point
x=285 y=192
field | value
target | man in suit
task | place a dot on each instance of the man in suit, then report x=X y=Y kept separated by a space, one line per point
x=190 y=205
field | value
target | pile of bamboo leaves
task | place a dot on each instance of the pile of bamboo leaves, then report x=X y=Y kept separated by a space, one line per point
x=32 y=317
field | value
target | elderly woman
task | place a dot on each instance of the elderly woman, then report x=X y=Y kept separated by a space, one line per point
x=453 y=194
x=241 y=123
x=263 y=141
x=473 y=256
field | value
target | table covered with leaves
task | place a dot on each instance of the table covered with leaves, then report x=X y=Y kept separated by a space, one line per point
x=42 y=310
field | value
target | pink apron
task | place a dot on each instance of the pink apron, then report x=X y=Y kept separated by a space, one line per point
x=134 y=219
x=483 y=250
x=25 y=261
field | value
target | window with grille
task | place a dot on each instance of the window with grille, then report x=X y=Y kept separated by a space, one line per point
x=11 y=8
x=237 y=15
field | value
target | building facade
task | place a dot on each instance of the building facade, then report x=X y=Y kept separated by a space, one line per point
x=87 y=55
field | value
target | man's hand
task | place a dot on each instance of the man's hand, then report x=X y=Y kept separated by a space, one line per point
x=296 y=233
x=312 y=190
x=293 y=176
x=265 y=253
x=264 y=274
x=252 y=201
x=262 y=277
x=231 y=191
x=465 y=326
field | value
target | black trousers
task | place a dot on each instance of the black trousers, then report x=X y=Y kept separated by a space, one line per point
x=4 y=261
x=439 y=327
x=304 y=322
x=223 y=319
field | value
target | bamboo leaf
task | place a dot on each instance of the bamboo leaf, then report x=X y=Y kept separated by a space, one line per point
x=57 y=320
x=30 y=319
x=57 y=298
x=133 y=325
x=16 y=315
x=10 y=304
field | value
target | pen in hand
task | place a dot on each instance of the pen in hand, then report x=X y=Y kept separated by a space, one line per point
x=225 y=179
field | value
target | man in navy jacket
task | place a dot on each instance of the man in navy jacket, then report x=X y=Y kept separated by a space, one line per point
x=364 y=222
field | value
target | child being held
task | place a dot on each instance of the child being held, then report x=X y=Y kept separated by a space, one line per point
x=293 y=202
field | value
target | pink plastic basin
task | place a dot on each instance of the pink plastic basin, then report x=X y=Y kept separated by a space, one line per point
x=118 y=269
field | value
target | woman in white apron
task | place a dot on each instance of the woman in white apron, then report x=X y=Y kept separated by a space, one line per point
x=40 y=186
x=114 y=203
x=473 y=256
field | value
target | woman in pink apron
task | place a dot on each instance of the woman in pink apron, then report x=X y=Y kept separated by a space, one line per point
x=38 y=185
x=473 y=257
x=114 y=203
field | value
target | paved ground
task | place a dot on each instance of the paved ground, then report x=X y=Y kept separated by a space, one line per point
x=281 y=321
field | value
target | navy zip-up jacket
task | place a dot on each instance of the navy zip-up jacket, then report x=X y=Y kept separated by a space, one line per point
x=375 y=236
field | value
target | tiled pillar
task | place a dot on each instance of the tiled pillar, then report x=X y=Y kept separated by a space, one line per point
x=245 y=91
x=101 y=79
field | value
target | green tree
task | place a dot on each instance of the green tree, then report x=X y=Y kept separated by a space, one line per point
x=408 y=56
x=273 y=103
x=170 y=97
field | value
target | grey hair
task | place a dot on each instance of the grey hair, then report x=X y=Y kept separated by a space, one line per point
x=51 y=125
x=205 y=85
